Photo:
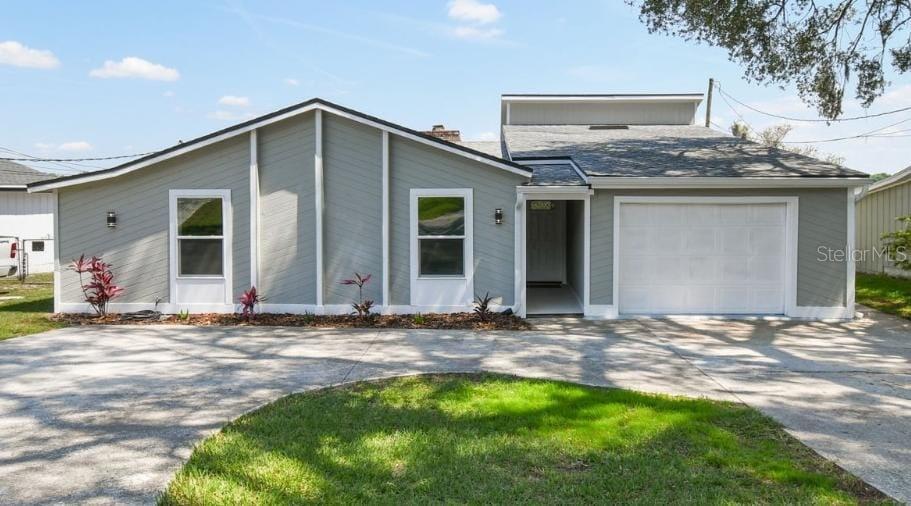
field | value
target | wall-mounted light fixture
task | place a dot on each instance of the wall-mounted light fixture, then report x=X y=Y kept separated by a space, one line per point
x=498 y=216
x=112 y=219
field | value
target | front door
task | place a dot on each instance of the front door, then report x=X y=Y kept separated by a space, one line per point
x=546 y=247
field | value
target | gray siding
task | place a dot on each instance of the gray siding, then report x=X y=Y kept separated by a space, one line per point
x=822 y=222
x=287 y=211
x=352 y=223
x=592 y=113
x=138 y=247
x=876 y=215
x=418 y=166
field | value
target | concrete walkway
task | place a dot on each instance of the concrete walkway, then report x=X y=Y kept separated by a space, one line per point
x=107 y=415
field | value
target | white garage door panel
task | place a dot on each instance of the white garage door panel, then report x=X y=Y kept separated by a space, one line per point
x=702 y=258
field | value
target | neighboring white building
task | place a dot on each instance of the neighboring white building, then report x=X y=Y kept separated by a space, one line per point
x=27 y=216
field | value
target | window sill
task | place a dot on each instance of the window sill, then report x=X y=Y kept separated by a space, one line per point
x=454 y=277
x=213 y=277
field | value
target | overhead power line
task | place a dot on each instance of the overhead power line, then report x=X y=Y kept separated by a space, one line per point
x=809 y=120
x=94 y=159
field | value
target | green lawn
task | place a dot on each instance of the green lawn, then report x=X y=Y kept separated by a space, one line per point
x=486 y=439
x=890 y=295
x=29 y=314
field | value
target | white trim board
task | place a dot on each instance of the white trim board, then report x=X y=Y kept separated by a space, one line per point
x=318 y=195
x=791 y=236
x=315 y=106
x=254 y=209
x=695 y=97
x=609 y=182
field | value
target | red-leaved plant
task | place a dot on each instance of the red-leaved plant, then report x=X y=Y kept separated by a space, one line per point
x=249 y=300
x=362 y=306
x=100 y=288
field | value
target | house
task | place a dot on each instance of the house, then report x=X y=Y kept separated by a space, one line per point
x=604 y=205
x=26 y=219
x=878 y=210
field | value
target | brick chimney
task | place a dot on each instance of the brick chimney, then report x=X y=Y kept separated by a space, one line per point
x=440 y=132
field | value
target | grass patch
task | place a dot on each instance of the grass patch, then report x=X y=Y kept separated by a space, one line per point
x=28 y=314
x=887 y=294
x=488 y=439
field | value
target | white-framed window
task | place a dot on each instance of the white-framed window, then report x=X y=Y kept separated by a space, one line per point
x=200 y=233
x=442 y=264
x=442 y=223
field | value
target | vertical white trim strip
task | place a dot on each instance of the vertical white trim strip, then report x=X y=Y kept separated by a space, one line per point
x=386 y=300
x=318 y=192
x=520 y=302
x=587 y=247
x=850 y=293
x=508 y=113
x=58 y=281
x=254 y=209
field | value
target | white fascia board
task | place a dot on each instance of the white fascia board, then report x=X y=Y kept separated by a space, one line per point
x=602 y=182
x=259 y=124
x=600 y=98
x=553 y=190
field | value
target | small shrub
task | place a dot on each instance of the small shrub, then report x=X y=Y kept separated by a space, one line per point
x=308 y=317
x=898 y=244
x=418 y=319
x=482 y=307
x=183 y=315
x=362 y=306
x=100 y=288
x=249 y=300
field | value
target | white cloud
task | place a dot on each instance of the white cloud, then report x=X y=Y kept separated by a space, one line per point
x=234 y=101
x=133 y=67
x=15 y=54
x=488 y=136
x=473 y=11
x=292 y=82
x=75 y=146
x=168 y=94
x=223 y=115
x=474 y=33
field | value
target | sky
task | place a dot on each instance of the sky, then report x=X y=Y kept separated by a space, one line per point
x=110 y=78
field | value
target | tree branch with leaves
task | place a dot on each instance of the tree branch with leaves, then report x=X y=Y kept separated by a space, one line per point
x=822 y=49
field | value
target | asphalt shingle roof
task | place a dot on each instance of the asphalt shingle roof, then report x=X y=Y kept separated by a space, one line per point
x=662 y=151
x=16 y=174
x=557 y=174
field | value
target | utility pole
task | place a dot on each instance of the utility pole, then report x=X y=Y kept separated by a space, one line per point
x=708 y=104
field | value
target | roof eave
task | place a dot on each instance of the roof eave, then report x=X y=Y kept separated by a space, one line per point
x=622 y=182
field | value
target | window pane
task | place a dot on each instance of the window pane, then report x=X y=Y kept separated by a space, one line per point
x=200 y=216
x=200 y=257
x=442 y=257
x=441 y=216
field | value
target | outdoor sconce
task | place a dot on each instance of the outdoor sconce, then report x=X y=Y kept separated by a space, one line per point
x=112 y=219
x=498 y=216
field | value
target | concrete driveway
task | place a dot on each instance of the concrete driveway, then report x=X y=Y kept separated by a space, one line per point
x=107 y=415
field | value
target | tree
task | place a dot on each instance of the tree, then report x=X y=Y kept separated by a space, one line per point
x=820 y=48
x=898 y=244
x=879 y=176
x=773 y=137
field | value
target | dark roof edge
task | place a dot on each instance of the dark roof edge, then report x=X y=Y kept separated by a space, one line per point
x=606 y=95
x=271 y=115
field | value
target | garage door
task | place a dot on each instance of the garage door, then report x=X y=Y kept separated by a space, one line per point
x=702 y=258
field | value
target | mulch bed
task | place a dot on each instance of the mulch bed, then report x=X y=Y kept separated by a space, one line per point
x=454 y=321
